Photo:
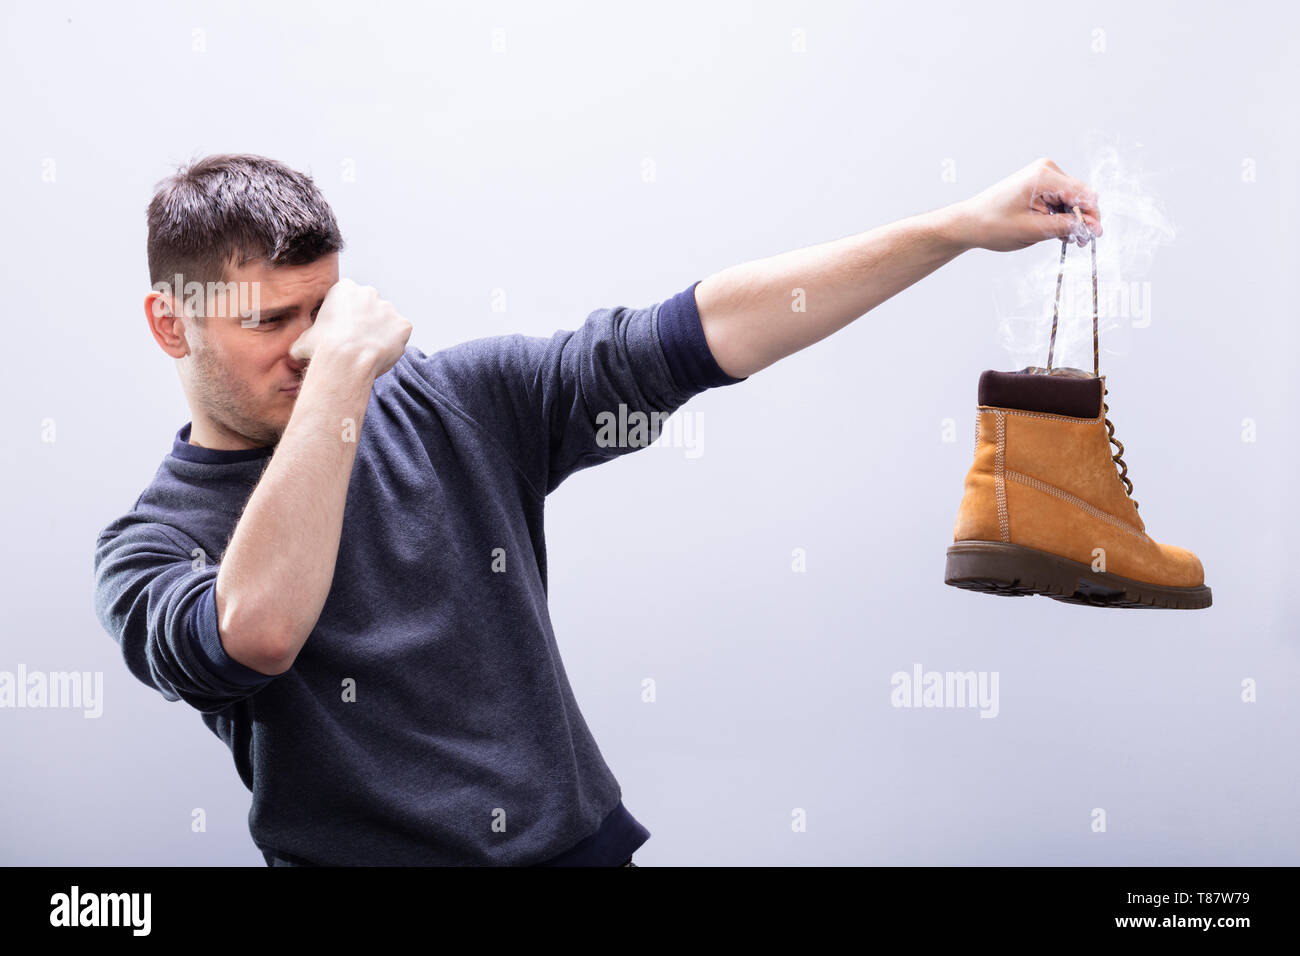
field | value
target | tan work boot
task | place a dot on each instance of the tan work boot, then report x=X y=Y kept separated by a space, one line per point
x=1046 y=510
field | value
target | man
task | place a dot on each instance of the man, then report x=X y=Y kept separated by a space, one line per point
x=341 y=563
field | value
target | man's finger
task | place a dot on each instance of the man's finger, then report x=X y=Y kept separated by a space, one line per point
x=1066 y=225
x=1069 y=192
x=1066 y=194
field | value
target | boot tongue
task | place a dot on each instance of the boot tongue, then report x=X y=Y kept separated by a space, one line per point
x=1063 y=391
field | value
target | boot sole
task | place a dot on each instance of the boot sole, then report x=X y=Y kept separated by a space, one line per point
x=1013 y=570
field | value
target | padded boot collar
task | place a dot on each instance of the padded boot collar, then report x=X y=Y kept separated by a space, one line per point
x=1062 y=392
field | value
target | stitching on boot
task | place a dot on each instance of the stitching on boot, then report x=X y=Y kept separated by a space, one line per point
x=978 y=416
x=1074 y=500
x=999 y=484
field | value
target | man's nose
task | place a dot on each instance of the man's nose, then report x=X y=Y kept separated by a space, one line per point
x=299 y=329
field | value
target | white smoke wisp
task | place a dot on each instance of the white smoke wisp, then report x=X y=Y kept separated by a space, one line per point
x=1134 y=227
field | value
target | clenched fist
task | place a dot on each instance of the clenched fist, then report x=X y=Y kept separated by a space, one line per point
x=353 y=319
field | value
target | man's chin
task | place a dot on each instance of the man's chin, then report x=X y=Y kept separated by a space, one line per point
x=274 y=424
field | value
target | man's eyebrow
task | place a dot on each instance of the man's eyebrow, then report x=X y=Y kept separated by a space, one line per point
x=277 y=311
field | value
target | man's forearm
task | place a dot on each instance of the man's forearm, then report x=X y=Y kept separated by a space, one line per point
x=751 y=312
x=279 y=564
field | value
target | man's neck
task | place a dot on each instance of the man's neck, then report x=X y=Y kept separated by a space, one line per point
x=204 y=434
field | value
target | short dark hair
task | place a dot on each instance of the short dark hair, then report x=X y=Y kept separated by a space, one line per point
x=235 y=208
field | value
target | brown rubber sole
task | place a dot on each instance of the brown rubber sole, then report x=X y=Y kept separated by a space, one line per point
x=1013 y=570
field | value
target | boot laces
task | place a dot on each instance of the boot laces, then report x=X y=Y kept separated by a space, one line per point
x=1118 y=457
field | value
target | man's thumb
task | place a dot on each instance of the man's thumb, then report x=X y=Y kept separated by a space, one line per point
x=1065 y=225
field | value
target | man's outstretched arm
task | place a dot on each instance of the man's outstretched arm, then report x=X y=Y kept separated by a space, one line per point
x=749 y=311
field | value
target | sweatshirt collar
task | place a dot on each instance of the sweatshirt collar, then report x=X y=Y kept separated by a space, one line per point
x=181 y=448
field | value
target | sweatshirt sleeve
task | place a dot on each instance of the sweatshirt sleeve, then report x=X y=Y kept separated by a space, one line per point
x=162 y=611
x=576 y=399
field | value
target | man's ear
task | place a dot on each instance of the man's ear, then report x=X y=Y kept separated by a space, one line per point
x=168 y=330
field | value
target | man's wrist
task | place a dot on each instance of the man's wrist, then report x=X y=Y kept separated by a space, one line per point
x=354 y=361
x=951 y=227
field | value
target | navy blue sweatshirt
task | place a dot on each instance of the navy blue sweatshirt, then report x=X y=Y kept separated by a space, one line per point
x=428 y=719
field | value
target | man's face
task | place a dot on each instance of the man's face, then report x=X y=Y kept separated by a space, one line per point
x=239 y=370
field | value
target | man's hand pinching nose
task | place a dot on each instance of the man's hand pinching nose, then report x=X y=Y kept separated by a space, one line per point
x=354 y=320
